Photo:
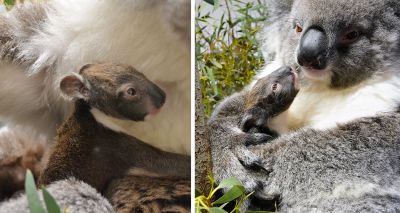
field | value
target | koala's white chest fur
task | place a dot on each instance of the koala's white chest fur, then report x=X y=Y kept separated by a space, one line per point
x=130 y=32
x=322 y=108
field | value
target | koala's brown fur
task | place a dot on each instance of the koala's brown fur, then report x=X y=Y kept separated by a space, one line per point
x=92 y=152
x=144 y=194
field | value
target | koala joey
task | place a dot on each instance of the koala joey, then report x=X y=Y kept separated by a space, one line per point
x=268 y=99
x=91 y=151
x=253 y=115
x=41 y=42
x=343 y=152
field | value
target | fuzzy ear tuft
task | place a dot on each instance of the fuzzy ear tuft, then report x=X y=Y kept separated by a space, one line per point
x=279 y=8
x=74 y=86
x=84 y=67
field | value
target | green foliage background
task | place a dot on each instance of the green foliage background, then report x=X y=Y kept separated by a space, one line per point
x=227 y=49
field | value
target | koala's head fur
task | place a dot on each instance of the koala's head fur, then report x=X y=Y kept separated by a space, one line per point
x=340 y=43
x=117 y=90
x=274 y=92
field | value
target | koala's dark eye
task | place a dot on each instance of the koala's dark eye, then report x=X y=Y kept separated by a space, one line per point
x=350 y=36
x=131 y=91
x=353 y=35
x=274 y=87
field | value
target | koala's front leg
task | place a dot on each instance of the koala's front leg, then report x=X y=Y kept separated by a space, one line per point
x=254 y=117
x=228 y=142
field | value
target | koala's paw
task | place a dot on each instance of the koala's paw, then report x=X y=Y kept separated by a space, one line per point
x=227 y=165
x=250 y=160
x=251 y=139
x=254 y=118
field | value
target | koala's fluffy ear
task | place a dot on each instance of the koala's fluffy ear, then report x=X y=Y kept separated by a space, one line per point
x=279 y=8
x=74 y=86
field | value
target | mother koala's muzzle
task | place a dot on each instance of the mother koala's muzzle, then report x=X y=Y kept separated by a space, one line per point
x=312 y=52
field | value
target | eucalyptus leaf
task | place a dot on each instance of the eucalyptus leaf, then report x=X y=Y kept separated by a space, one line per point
x=235 y=192
x=9 y=2
x=229 y=182
x=34 y=203
x=50 y=202
x=216 y=210
x=210 y=2
x=197 y=193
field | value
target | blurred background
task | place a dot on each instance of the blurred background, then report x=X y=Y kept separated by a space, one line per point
x=227 y=46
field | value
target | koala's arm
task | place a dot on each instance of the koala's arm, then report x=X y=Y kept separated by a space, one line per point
x=227 y=138
x=339 y=169
x=71 y=194
x=255 y=117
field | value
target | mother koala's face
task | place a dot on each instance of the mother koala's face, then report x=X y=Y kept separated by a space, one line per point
x=342 y=43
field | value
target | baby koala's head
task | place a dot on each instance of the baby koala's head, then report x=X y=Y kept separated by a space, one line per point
x=275 y=91
x=269 y=97
x=117 y=90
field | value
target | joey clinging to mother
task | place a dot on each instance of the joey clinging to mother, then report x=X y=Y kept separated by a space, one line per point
x=347 y=52
x=91 y=149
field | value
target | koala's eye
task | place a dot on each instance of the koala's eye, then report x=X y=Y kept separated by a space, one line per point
x=131 y=91
x=298 y=28
x=350 y=36
x=353 y=35
x=274 y=86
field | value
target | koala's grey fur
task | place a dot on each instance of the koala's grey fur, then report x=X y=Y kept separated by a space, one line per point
x=227 y=138
x=71 y=194
x=339 y=170
x=349 y=169
x=354 y=167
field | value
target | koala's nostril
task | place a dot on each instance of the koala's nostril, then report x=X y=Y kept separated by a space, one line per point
x=313 y=49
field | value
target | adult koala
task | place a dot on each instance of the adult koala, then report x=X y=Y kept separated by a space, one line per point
x=346 y=155
x=39 y=43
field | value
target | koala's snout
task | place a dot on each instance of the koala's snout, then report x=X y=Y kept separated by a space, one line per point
x=157 y=96
x=312 y=52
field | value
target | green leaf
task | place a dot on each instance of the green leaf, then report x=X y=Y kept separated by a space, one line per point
x=210 y=1
x=34 y=203
x=216 y=4
x=211 y=77
x=235 y=192
x=50 y=202
x=197 y=193
x=216 y=210
x=9 y=2
x=229 y=182
x=215 y=63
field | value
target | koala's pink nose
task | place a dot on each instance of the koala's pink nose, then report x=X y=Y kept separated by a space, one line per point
x=152 y=113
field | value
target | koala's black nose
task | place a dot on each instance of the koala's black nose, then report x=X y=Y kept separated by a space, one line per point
x=158 y=96
x=313 y=49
